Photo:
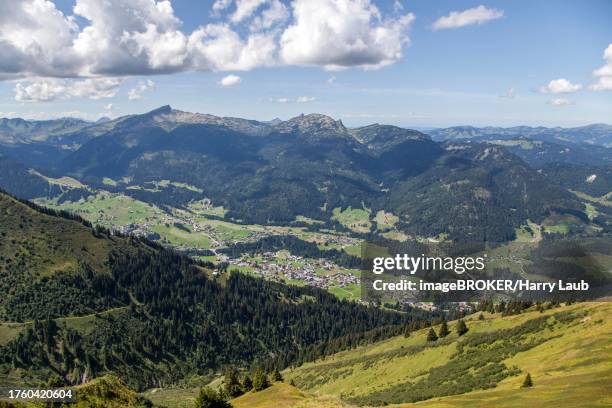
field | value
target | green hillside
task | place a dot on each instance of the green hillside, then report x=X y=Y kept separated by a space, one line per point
x=80 y=303
x=566 y=350
x=104 y=392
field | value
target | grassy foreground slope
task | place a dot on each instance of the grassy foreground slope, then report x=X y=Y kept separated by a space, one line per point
x=567 y=350
x=285 y=395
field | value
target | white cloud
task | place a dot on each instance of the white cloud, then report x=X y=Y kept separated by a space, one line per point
x=305 y=99
x=143 y=86
x=276 y=14
x=343 y=33
x=560 y=85
x=108 y=106
x=604 y=74
x=35 y=39
x=476 y=15
x=230 y=80
x=245 y=9
x=560 y=102
x=217 y=47
x=331 y=79
x=282 y=100
x=119 y=38
x=50 y=89
x=220 y=5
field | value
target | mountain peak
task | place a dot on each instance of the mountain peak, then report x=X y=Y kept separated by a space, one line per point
x=313 y=123
x=161 y=110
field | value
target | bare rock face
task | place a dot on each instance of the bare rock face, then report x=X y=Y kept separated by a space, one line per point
x=313 y=125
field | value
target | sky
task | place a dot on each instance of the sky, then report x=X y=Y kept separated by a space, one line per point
x=416 y=63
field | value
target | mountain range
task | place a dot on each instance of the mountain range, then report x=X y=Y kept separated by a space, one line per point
x=310 y=166
x=597 y=134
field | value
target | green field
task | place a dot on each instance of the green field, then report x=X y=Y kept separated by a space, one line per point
x=356 y=219
x=385 y=220
x=565 y=349
x=181 y=237
x=110 y=210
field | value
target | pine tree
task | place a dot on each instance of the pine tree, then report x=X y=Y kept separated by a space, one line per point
x=431 y=336
x=276 y=375
x=247 y=383
x=443 y=329
x=260 y=380
x=209 y=398
x=232 y=385
x=528 y=382
x=481 y=317
x=461 y=327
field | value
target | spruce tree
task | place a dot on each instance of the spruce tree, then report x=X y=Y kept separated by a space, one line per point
x=461 y=327
x=276 y=375
x=232 y=385
x=247 y=383
x=260 y=380
x=481 y=317
x=443 y=329
x=431 y=336
x=209 y=398
x=528 y=382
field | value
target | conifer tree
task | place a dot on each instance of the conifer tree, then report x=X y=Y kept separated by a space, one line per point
x=481 y=317
x=209 y=398
x=443 y=329
x=461 y=327
x=276 y=375
x=232 y=385
x=431 y=336
x=260 y=380
x=528 y=382
x=247 y=383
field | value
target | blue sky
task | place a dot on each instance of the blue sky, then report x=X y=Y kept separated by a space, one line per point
x=494 y=72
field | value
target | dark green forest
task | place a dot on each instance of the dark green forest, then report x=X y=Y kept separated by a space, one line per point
x=152 y=316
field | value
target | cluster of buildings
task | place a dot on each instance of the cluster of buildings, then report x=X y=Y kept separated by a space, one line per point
x=320 y=273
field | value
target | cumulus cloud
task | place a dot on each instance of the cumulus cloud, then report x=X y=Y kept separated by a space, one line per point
x=560 y=85
x=560 y=102
x=604 y=74
x=142 y=87
x=245 y=9
x=217 y=47
x=305 y=99
x=50 y=89
x=276 y=14
x=331 y=79
x=343 y=33
x=220 y=5
x=36 y=38
x=476 y=15
x=230 y=80
x=121 y=38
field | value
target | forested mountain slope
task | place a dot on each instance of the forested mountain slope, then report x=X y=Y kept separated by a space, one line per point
x=311 y=166
x=80 y=303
